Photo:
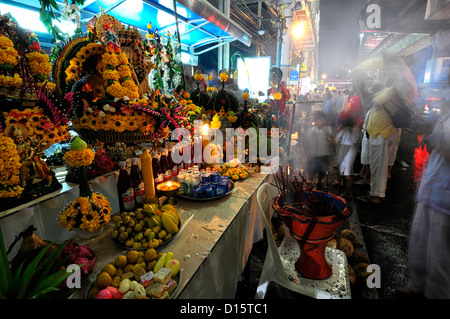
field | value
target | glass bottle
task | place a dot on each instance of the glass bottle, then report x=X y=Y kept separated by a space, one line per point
x=137 y=182
x=125 y=190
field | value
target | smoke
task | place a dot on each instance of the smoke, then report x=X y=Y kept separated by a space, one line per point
x=338 y=35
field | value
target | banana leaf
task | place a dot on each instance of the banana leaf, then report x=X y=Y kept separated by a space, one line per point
x=32 y=281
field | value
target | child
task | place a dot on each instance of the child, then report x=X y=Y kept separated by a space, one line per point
x=347 y=138
x=317 y=147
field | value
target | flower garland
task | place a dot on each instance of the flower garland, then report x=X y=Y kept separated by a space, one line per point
x=210 y=88
x=8 y=59
x=116 y=71
x=59 y=67
x=86 y=213
x=277 y=95
x=164 y=55
x=8 y=55
x=38 y=125
x=76 y=63
x=11 y=81
x=39 y=64
x=10 y=165
x=223 y=76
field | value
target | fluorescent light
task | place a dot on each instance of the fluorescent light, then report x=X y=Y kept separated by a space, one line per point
x=257 y=78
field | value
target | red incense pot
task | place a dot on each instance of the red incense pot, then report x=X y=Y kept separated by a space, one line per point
x=313 y=232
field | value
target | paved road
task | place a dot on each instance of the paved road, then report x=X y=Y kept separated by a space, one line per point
x=384 y=228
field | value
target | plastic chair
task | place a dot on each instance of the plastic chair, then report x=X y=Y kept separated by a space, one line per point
x=279 y=263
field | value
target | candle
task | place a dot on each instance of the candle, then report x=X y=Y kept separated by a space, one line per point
x=205 y=137
x=147 y=174
x=168 y=186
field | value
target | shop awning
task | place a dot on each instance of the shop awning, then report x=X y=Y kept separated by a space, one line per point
x=202 y=27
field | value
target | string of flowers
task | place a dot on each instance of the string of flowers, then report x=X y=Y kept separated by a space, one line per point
x=76 y=63
x=116 y=71
x=59 y=65
x=10 y=164
x=164 y=55
x=57 y=118
x=8 y=60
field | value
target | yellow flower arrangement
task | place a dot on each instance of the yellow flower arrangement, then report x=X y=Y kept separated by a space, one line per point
x=79 y=158
x=235 y=173
x=118 y=74
x=9 y=81
x=277 y=95
x=8 y=55
x=198 y=76
x=38 y=124
x=223 y=76
x=76 y=63
x=86 y=213
x=39 y=63
x=245 y=95
x=116 y=122
x=215 y=123
x=9 y=168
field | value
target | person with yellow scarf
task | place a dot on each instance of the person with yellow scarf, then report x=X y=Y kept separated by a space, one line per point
x=382 y=134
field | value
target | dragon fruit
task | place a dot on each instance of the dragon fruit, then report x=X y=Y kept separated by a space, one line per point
x=80 y=255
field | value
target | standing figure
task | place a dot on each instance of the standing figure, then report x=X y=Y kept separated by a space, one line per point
x=317 y=148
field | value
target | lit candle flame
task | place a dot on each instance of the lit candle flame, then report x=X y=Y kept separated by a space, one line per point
x=205 y=128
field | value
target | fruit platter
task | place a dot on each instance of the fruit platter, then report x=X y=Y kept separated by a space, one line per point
x=151 y=226
x=137 y=274
x=235 y=172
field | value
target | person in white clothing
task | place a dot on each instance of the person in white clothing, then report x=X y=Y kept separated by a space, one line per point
x=347 y=138
x=317 y=148
x=429 y=243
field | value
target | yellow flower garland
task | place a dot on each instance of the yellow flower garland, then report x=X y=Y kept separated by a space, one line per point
x=9 y=168
x=9 y=81
x=39 y=63
x=8 y=55
x=76 y=63
x=118 y=75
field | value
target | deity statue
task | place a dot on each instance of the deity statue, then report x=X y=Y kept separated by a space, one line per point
x=30 y=151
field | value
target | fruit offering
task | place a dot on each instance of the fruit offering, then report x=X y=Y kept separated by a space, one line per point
x=234 y=172
x=147 y=227
x=137 y=275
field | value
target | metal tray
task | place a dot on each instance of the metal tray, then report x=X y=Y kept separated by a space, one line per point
x=93 y=276
x=145 y=248
x=207 y=199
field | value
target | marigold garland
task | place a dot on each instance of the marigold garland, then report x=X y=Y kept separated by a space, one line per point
x=8 y=55
x=9 y=168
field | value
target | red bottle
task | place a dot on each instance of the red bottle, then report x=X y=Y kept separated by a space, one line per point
x=137 y=182
x=156 y=166
x=163 y=161
x=125 y=190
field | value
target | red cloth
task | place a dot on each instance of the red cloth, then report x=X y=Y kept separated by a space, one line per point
x=354 y=109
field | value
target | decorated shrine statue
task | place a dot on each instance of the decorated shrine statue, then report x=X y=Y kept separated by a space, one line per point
x=30 y=114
